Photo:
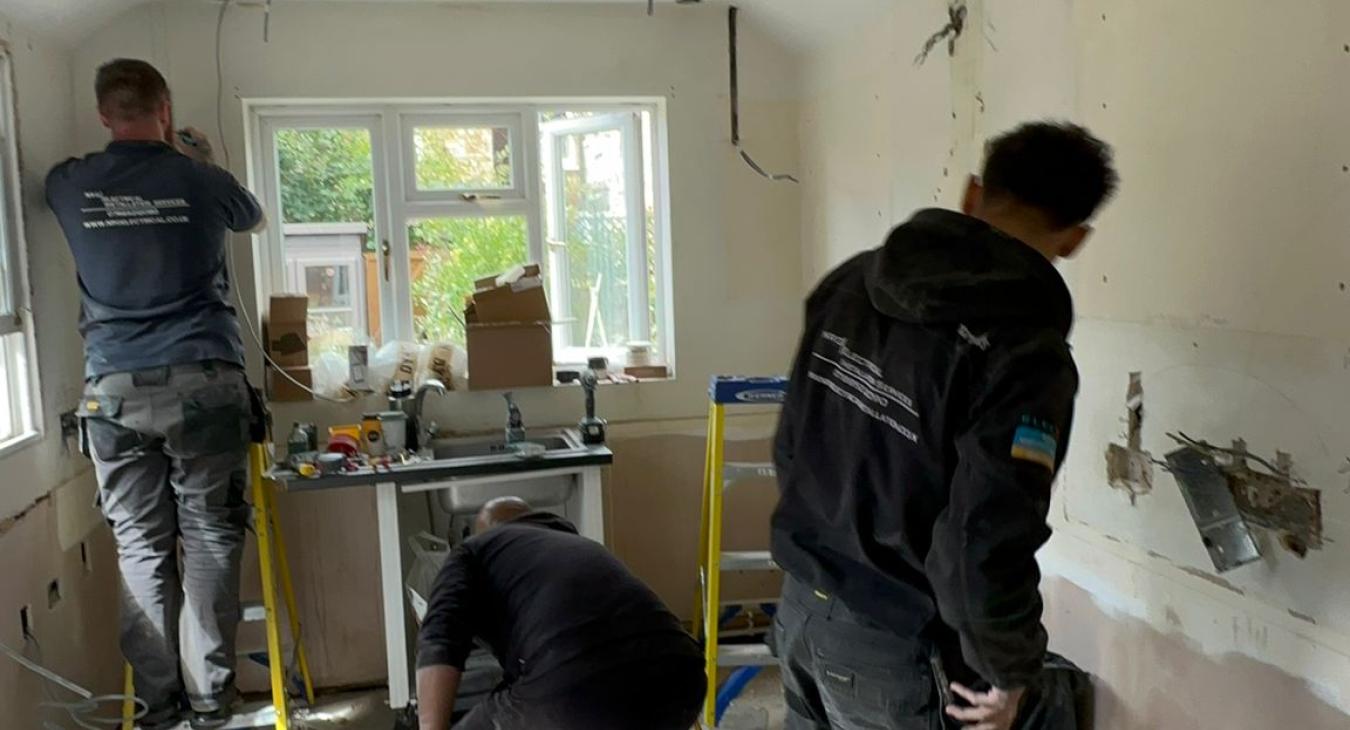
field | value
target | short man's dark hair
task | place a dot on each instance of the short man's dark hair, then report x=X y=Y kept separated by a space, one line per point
x=1057 y=168
x=129 y=89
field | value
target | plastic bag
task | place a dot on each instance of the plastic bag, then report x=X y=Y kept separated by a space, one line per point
x=330 y=375
x=446 y=362
x=429 y=554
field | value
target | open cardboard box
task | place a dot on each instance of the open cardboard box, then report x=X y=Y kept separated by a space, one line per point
x=510 y=332
x=285 y=330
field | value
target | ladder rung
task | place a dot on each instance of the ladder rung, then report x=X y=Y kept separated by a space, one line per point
x=736 y=471
x=745 y=655
x=252 y=715
x=749 y=601
x=748 y=560
x=253 y=612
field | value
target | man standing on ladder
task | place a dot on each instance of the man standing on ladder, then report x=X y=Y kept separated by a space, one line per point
x=928 y=412
x=165 y=413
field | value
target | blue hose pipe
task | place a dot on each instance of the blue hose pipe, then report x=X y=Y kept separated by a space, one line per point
x=732 y=688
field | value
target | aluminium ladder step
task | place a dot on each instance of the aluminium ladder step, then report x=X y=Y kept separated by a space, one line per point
x=745 y=655
x=748 y=560
x=739 y=471
x=252 y=612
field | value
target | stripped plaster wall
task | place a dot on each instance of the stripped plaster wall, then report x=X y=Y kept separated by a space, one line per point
x=1218 y=274
x=49 y=531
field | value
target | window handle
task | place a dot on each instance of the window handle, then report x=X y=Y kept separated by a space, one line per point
x=386 y=250
x=475 y=197
x=554 y=243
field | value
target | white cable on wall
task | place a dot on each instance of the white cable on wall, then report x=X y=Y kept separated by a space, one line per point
x=83 y=712
x=233 y=265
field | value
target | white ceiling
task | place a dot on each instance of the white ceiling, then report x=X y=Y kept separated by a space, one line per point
x=801 y=23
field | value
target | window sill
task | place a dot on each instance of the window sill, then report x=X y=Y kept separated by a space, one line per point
x=19 y=443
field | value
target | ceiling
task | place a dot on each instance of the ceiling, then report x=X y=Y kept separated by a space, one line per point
x=800 y=23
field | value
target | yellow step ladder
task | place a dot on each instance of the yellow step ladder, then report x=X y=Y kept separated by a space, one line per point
x=273 y=564
x=718 y=477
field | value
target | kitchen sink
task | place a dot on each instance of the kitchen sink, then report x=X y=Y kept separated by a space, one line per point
x=540 y=451
x=472 y=448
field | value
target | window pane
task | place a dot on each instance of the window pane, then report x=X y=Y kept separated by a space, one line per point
x=15 y=408
x=8 y=405
x=447 y=255
x=6 y=296
x=327 y=183
x=326 y=176
x=595 y=231
x=328 y=286
x=463 y=158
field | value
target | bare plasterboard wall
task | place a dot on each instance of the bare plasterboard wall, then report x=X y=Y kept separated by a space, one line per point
x=1218 y=276
x=60 y=565
x=736 y=240
x=42 y=77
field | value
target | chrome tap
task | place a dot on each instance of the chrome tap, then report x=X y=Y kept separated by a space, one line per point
x=415 y=431
x=515 y=425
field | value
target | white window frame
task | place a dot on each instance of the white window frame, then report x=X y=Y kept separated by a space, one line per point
x=308 y=257
x=399 y=203
x=268 y=251
x=628 y=124
x=513 y=123
x=21 y=383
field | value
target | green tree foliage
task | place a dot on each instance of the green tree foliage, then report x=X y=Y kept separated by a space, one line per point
x=451 y=253
x=326 y=177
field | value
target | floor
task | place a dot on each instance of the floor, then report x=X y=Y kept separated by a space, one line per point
x=760 y=707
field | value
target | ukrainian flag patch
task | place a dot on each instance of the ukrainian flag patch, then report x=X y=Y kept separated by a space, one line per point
x=1035 y=444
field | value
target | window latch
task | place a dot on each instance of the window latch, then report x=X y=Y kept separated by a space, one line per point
x=386 y=251
x=476 y=197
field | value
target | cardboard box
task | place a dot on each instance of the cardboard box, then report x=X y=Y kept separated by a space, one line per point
x=647 y=372
x=288 y=308
x=516 y=296
x=503 y=356
x=287 y=343
x=286 y=330
x=510 y=332
x=281 y=390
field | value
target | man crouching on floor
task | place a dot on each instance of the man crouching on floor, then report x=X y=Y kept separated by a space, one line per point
x=582 y=642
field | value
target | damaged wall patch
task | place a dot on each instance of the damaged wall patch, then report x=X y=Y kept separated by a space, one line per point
x=956 y=23
x=1271 y=496
x=1129 y=468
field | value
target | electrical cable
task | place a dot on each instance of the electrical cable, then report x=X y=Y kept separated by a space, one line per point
x=83 y=712
x=233 y=265
x=732 y=12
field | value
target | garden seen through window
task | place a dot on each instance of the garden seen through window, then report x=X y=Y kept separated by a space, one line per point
x=390 y=215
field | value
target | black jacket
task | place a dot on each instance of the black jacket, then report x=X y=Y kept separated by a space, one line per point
x=928 y=412
x=553 y=606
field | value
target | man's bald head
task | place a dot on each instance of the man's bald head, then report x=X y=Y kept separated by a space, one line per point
x=500 y=511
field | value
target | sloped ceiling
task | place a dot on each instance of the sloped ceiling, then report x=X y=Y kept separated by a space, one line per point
x=799 y=23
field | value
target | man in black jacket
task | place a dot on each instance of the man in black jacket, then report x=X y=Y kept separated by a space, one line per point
x=929 y=411
x=583 y=644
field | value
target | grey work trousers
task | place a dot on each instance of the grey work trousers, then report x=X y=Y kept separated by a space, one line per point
x=170 y=448
x=840 y=672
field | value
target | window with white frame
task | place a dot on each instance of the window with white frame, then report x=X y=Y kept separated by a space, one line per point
x=17 y=391
x=389 y=213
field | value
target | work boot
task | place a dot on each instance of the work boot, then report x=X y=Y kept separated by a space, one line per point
x=162 y=719
x=211 y=720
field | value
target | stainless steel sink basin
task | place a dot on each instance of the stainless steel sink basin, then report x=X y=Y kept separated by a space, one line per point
x=468 y=495
x=450 y=449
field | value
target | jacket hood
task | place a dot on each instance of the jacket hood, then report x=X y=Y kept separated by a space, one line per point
x=945 y=267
